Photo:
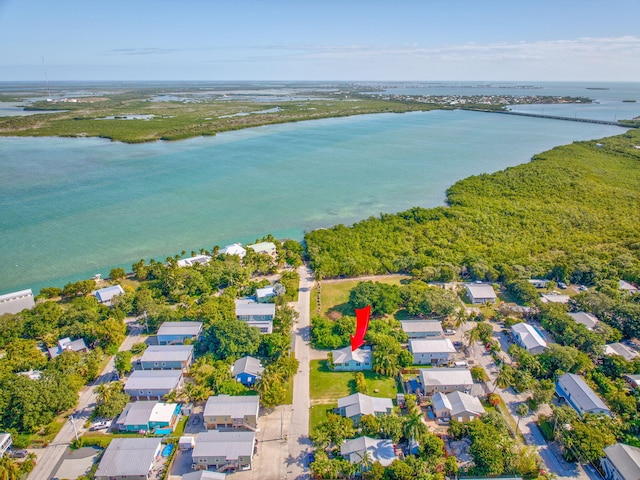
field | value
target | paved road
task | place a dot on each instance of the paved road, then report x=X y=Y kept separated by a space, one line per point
x=50 y=458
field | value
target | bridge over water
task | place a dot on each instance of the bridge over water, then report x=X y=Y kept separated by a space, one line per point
x=554 y=117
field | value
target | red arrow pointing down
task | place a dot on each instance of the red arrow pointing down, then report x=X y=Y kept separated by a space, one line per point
x=362 y=323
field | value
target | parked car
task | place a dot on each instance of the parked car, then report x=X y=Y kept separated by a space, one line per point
x=449 y=331
x=18 y=453
x=562 y=285
x=102 y=425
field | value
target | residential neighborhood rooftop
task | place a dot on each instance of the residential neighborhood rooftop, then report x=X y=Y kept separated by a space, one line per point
x=232 y=406
x=167 y=353
x=626 y=460
x=378 y=450
x=360 y=404
x=180 y=328
x=576 y=391
x=446 y=376
x=230 y=445
x=528 y=336
x=153 y=379
x=345 y=355
x=621 y=349
x=128 y=457
x=247 y=365
x=427 y=326
x=584 y=318
x=431 y=345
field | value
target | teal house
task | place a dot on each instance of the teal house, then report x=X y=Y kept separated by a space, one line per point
x=148 y=416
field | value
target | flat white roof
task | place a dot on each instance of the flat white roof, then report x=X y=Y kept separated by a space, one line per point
x=446 y=376
x=167 y=353
x=431 y=345
x=421 y=326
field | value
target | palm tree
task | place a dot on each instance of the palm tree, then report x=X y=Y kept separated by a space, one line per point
x=504 y=377
x=522 y=410
x=414 y=429
x=472 y=335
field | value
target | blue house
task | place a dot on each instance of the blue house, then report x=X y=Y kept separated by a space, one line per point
x=175 y=333
x=574 y=390
x=247 y=370
x=346 y=360
x=147 y=416
x=167 y=357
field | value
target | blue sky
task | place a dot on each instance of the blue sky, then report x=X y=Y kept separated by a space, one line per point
x=320 y=40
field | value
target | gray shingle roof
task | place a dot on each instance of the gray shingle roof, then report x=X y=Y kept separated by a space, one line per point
x=378 y=450
x=360 y=404
x=248 y=365
x=345 y=355
x=233 y=406
x=128 y=457
x=180 y=328
x=153 y=379
x=421 y=326
x=167 y=353
x=230 y=445
x=580 y=394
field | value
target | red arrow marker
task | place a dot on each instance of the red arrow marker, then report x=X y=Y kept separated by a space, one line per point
x=362 y=323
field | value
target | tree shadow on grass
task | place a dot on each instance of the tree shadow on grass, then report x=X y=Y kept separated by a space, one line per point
x=341 y=310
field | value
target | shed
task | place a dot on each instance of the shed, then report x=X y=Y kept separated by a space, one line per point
x=15 y=302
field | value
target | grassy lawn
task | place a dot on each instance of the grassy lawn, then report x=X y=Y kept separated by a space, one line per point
x=288 y=399
x=318 y=414
x=335 y=295
x=49 y=433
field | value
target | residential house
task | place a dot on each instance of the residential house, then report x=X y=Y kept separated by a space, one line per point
x=5 y=442
x=528 y=338
x=538 y=283
x=458 y=405
x=153 y=384
x=357 y=405
x=432 y=351
x=621 y=462
x=226 y=411
x=627 y=287
x=107 y=294
x=264 y=248
x=15 y=302
x=191 y=261
x=247 y=370
x=167 y=357
x=259 y=315
x=620 y=349
x=129 y=459
x=265 y=295
x=554 y=297
x=377 y=450
x=445 y=380
x=347 y=360
x=422 y=328
x=480 y=293
x=64 y=344
x=147 y=415
x=204 y=475
x=574 y=390
x=588 y=320
x=175 y=333
x=234 y=249
x=226 y=452
x=632 y=380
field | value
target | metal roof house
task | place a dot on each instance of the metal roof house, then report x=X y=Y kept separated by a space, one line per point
x=586 y=319
x=5 y=442
x=458 y=405
x=378 y=450
x=620 y=349
x=445 y=380
x=204 y=475
x=422 y=328
x=147 y=415
x=128 y=458
x=224 y=411
x=266 y=248
x=357 y=405
x=15 y=302
x=627 y=287
x=223 y=451
x=554 y=298
x=528 y=338
x=346 y=360
x=166 y=357
x=573 y=389
x=247 y=370
x=259 y=315
x=191 y=261
x=233 y=249
x=77 y=345
x=432 y=351
x=621 y=462
x=480 y=293
x=264 y=295
x=153 y=384
x=107 y=294
x=175 y=333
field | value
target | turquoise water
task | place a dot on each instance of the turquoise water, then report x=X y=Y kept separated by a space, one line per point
x=71 y=208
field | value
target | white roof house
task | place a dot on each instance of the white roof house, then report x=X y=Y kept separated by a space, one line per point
x=431 y=351
x=458 y=405
x=528 y=337
x=480 y=292
x=16 y=302
x=267 y=248
x=77 y=345
x=5 y=442
x=620 y=349
x=378 y=450
x=232 y=411
x=346 y=359
x=621 y=462
x=105 y=295
x=579 y=395
x=586 y=319
x=128 y=458
x=249 y=310
x=233 y=249
x=356 y=405
x=198 y=259
x=422 y=328
x=147 y=413
x=446 y=380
